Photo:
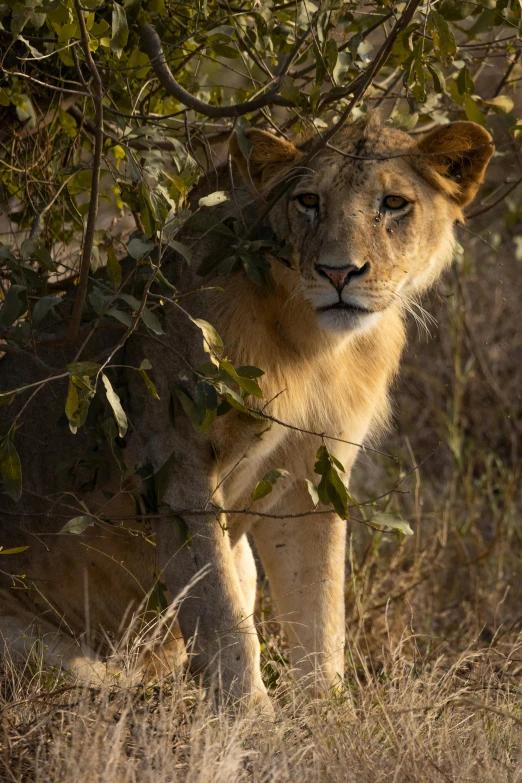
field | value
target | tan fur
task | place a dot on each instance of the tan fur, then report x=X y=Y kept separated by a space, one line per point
x=325 y=371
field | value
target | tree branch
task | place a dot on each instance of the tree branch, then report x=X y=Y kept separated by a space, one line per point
x=88 y=239
x=369 y=74
x=359 y=85
x=153 y=48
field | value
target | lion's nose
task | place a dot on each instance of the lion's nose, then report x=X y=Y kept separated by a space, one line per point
x=340 y=276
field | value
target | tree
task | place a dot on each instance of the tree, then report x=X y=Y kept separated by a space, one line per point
x=126 y=105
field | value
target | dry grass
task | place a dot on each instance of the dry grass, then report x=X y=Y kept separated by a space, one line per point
x=410 y=719
x=434 y=660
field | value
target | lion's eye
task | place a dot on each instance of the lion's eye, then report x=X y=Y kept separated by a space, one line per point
x=308 y=200
x=394 y=202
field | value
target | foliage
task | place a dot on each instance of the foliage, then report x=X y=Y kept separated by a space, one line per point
x=125 y=104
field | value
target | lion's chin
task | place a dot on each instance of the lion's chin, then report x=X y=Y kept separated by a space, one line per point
x=342 y=320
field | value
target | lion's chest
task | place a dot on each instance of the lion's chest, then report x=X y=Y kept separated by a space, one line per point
x=299 y=405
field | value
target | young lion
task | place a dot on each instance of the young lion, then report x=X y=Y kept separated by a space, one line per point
x=370 y=220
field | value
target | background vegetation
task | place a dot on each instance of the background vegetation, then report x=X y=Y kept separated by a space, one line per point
x=87 y=107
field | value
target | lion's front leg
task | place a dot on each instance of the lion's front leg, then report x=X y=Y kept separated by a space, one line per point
x=215 y=622
x=304 y=560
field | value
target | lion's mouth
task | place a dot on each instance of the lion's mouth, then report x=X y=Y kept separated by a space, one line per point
x=349 y=308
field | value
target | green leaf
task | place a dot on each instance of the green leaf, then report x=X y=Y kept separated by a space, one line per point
x=391 y=521
x=464 y=81
x=87 y=369
x=114 y=402
x=453 y=10
x=289 y=90
x=484 y=22
x=262 y=489
x=212 y=342
x=77 y=404
x=182 y=249
x=219 y=197
x=331 y=54
x=5 y=253
x=6 y=398
x=405 y=122
x=157 y=601
x=124 y=318
x=502 y=104
x=113 y=267
x=188 y=405
x=206 y=404
x=25 y=109
x=439 y=82
x=71 y=403
x=11 y=469
x=473 y=112
x=161 y=477
x=331 y=488
x=76 y=525
x=182 y=531
x=43 y=306
x=251 y=268
x=159 y=204
x=233 y=399
x=320 y=65
x=120 y=30
x=266 y=485
x=33 y=51
x=312 y=489
x=13 y=306
x=337 y=493
x=139 y=248
x=148 y=218
x=226 y=51
x=150 y=385
x=247 y=384
x=442 y=34
x=247 y=371
x=276 y=474
x=162 y=280
x=244 y=143
x=148 y=317
x=151 y=321
x=15 y=550
x=34 y=249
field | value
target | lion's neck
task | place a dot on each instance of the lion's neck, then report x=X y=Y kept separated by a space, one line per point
x=322 y=374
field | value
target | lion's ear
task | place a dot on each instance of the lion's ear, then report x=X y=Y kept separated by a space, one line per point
x=268 y=159
x=454 y=159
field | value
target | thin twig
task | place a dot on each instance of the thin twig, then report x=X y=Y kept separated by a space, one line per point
x=36 y=225
x=319 y=434
x=375 y=66
x=499 y=200
x=90 y=228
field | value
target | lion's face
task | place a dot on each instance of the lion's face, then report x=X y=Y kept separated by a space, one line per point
x=369 y=233
x=366 y=236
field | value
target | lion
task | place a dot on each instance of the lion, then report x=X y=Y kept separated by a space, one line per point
x=370 y=219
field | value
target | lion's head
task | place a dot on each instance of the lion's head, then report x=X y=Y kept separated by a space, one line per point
x=371 y=217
